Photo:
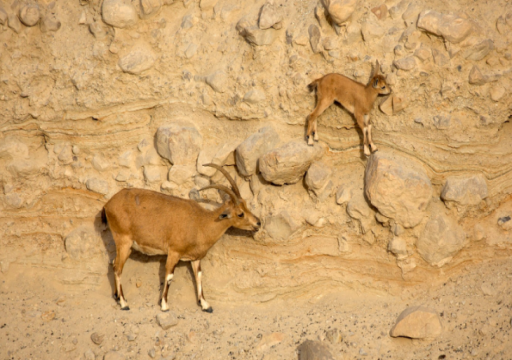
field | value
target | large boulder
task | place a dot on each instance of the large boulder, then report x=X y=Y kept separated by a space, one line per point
x=288 y=163
x=465 y=190
x=451 y=27
x=249 y=151
x=441 y=239
x=417 y=322
x=179 y=143
x=398 y=187
x=119 y=13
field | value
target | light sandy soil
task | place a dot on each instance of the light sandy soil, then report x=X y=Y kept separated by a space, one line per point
x=40 y=321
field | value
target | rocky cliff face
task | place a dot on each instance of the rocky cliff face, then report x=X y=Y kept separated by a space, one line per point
x=97 y=95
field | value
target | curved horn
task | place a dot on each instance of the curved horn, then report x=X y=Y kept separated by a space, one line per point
x=225 y=189
x=226 y=174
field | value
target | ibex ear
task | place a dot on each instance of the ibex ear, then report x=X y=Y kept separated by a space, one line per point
x=376 y=83
x=225 y=215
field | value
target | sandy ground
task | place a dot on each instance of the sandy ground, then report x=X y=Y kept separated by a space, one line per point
x=39 y=320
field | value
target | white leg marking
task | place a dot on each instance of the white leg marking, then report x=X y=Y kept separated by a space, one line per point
x=204 y=303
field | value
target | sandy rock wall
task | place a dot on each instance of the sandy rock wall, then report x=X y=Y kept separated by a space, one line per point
x=96 y=96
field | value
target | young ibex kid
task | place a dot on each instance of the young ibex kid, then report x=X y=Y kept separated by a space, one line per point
x=159 y=224
x=355 y=97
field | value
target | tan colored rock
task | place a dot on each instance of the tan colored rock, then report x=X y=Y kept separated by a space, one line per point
x=152 y=173
x=288 y=163
x=30 y=14
x=180 y=174
x=100 y=163
x=314 y=38
x=497 y=92
x=398 y=247
x=381 y=12
x=269 y=16
x=206 y=5
x=15 y=23
x=167 y=320
x=281 y=226
x=398 y=187
x=440 y=59
x=343 y=195
x=218 y=81
x=441 y=239
x=340 y=10
x=464 y=190
x=140 y=58
x=97 y=185
x=386 y=106
x=119 y=13
x=451 y=27
x=406 y=64
x=150 y=7
x=254 y=35
x=49 y=22
x=372 y=31
x=476 y=77
x=252 y=148
x=423 y=53
x=317 y=177
x=480 y=50
x=314 y=350
x=417 y=322
x=179 y=143
x=255 y=96
x=3 y=17
x=399 y=103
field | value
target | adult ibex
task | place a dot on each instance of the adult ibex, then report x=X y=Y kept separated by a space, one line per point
x=159 y=224
x=357 y=98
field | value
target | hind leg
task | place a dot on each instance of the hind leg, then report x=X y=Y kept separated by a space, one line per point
x=312 y=133
x=123 y=251
x=196 y=267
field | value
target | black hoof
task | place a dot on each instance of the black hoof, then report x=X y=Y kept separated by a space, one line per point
x=126 y=308
x=209 y=310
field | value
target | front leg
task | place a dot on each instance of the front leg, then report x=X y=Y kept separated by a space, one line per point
x=196 y=267
x=361 y=121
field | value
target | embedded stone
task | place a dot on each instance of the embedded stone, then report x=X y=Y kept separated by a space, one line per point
x=119 y=13
x=398 y=187
x=179 y=143
x=140 y=58
x=14 y=23
x=218 y=81
x=252 y=148
x=269 y=16
x=167 y=320
x=340 y=10
x=150 y=7
x=465 y=190
x=97 y=185
x=30 y=14
x=314 y=38
x=451 y=27
x=405 y=64
x=254 y=96
x=288 y=163
x=417 y=322
x=372 y=31
x=441 y=239
x=317 y=177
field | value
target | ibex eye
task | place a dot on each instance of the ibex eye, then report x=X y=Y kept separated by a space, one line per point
x=383 y=87
x=241 y=215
